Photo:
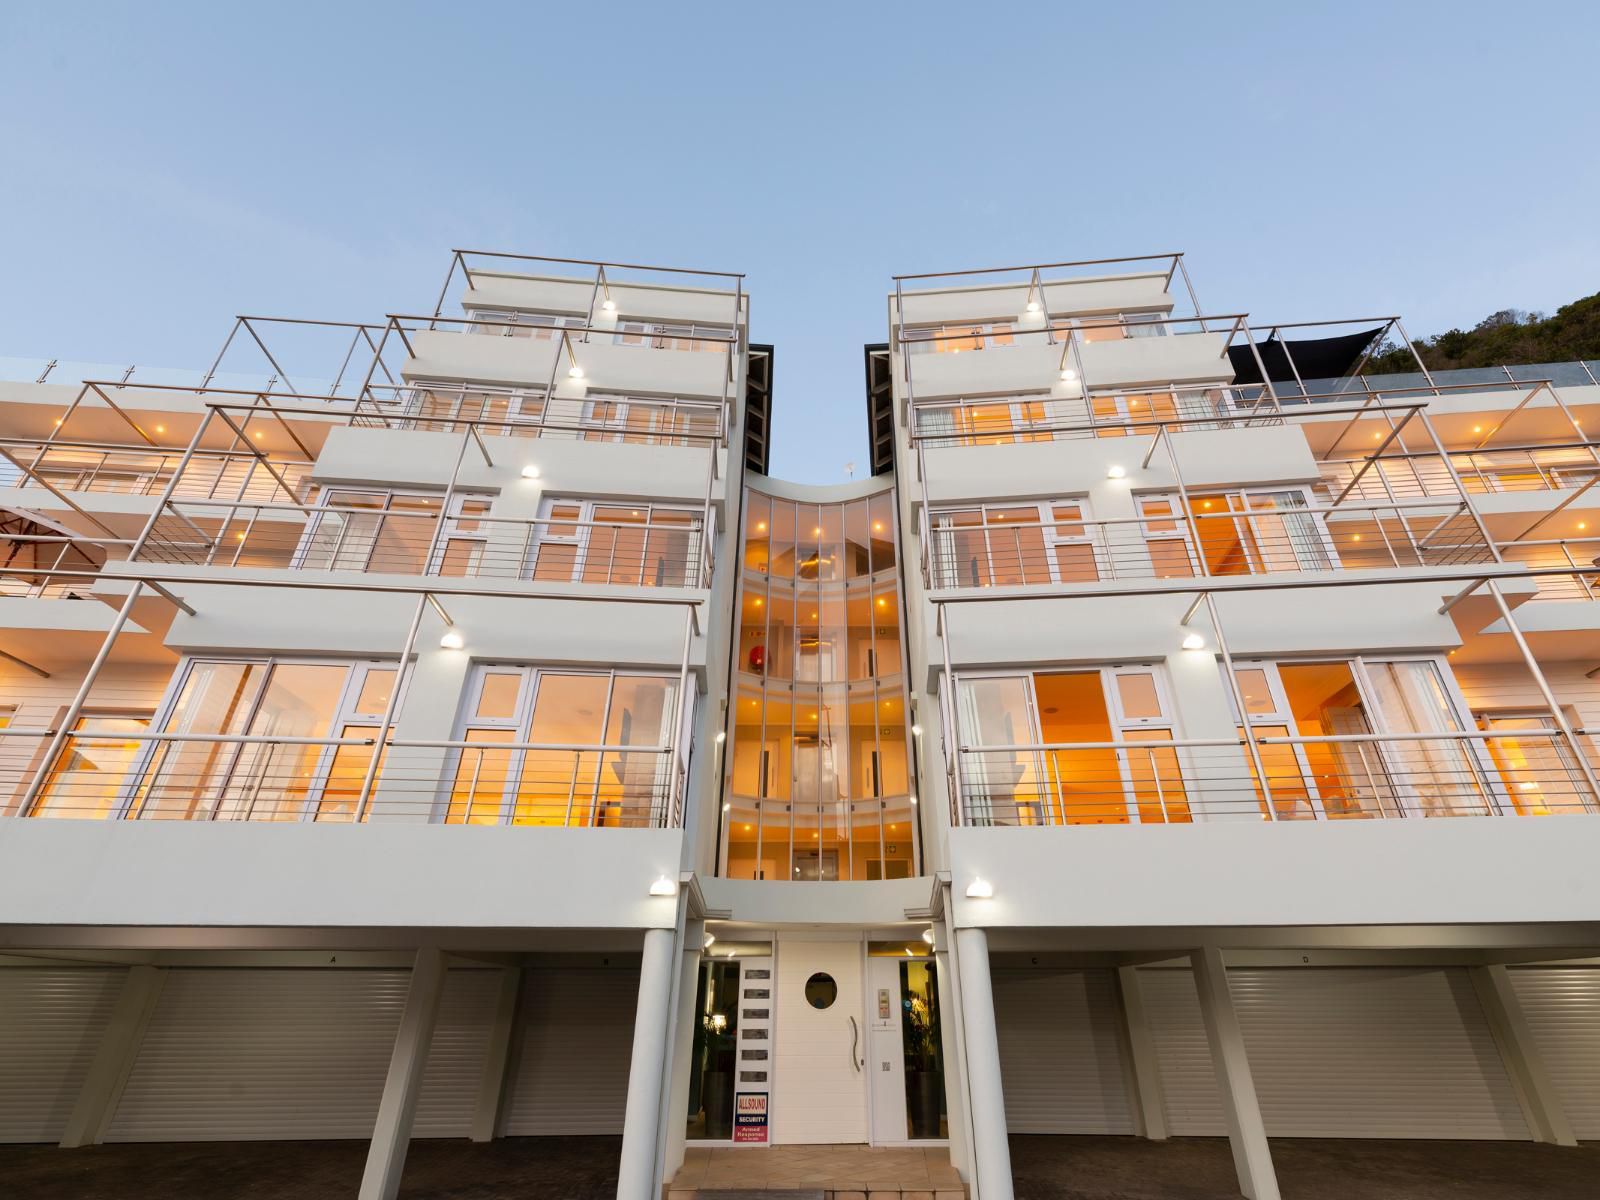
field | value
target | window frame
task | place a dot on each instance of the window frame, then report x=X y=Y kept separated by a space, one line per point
x=1406 y=796
x=1046 y=522
x=1121 y=725
x=145 y=770
x=520 y=726
x=583 y=535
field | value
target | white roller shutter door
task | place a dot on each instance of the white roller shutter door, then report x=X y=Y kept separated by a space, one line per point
x=1562 y=1005
x=1061 y=1057
x=1382 y=1052
x=51 y=1022
x=1188 y=1083
x=456 y=1054
x=277 y=1053
x=574 y=1043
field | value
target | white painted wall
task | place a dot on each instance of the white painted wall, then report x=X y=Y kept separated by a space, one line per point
x=386 y=875
x=1491 y=870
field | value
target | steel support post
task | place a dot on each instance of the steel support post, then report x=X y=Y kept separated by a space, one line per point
x=1580 y=759
x=69 y=719
x=1247 y=1134
x=391 y=1134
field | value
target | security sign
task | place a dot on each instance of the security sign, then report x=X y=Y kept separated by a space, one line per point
x=750 y=1117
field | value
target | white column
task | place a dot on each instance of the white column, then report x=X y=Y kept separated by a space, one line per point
x=114 y=1057
x=991 y=1152
x=951 y=1031
x=1148 y=1107
x=636 y=1172
x=391 y=1134
x=1547 y=1120
x=1252 y=1158
x=674 y=1130
x=492 y=1083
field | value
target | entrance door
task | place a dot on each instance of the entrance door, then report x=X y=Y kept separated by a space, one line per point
x=820 y=1093
x=906 y=1059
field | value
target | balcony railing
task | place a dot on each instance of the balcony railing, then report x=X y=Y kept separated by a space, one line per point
x=73 y=466
x=521 y=412
x=1041 y=417
x=1344 y=777
x=1241 y=542
x=1512 y=469
x=1581 y=554
x=657 y=552
x=147 y=776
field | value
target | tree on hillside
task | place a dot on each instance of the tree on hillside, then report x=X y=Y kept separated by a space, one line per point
x=1505 y=338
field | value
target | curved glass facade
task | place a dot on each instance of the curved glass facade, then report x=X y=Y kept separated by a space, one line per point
x=819 y=783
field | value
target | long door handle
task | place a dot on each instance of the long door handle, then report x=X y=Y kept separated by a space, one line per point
x=855 y=1037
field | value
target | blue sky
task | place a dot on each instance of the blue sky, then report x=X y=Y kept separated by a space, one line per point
x=172 y=164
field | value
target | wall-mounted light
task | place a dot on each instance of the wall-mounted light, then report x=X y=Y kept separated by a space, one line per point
x=1194 y=642
x=609 y=305
x=913 y=801
x=711 y=940
x=1068 y=374
x=916 y=731
x=722 y=736
x=1033 y=306
x=530 y=472
x=980 y=889
x=574 y=372
x=927 y=936
x=663 y=887
x=452 y=639
x=1116 y=471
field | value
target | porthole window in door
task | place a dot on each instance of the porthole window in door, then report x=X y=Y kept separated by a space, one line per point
x=821 y=990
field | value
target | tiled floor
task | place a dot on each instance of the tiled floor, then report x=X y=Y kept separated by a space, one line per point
x=842 y=1172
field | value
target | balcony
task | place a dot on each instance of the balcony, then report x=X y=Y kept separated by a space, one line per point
x=1216 y=535
x=130 y=773
x=398 y=534
x=1044 y=417
x=1530 y=772
x=524 y=413
x=74 y=466
x=1511 y=469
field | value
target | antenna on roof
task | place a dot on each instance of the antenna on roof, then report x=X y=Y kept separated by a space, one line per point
x=850 y=470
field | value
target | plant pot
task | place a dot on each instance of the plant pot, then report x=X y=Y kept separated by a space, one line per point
x=716 y=1094
x=925 y=1100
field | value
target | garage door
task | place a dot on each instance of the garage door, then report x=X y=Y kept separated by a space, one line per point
x=1562 y=1005
x=574 y=1042
x=1341 y=1052
x=268 y=1053
x=1061 y=1060
x=51 y=1021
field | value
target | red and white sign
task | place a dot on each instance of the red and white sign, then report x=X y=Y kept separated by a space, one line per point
x=750 y=1117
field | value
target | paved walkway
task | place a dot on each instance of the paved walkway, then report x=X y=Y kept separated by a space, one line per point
x=841 y=1172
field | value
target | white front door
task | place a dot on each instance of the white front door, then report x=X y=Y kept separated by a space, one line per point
x=820 y=1093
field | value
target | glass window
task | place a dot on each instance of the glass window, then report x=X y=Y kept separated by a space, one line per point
x=87 y=779
x=1136 y=691
x=568 y=773
x=498 y=694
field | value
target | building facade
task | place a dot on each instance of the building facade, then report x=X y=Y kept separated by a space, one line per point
x=445 y=727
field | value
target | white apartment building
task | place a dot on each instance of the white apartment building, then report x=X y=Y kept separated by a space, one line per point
x=443 y=727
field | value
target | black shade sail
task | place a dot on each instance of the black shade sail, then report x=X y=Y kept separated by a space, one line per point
x=1314 y=358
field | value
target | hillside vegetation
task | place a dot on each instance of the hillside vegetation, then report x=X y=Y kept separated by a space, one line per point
x=1508 y=337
